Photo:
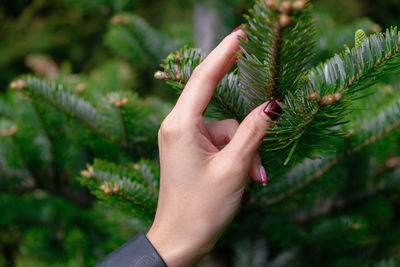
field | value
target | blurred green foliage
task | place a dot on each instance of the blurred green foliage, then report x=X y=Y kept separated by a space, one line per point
x=57 y=222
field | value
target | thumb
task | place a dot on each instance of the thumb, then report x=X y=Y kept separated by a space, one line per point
x=251 y=131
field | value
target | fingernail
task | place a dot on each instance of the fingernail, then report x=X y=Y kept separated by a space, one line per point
x=236 y=29
x=272 y=110
x=263 y=176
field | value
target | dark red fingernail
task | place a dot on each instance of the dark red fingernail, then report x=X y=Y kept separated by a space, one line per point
x=272 y=110
x=236 y=29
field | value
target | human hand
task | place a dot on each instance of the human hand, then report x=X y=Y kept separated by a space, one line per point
x=202 y=182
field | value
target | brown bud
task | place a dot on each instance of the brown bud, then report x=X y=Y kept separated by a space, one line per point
x=116 y=19
x=102 y=187
x=159 y=75
x=299 y=5
x=115 y=189
x=284 y=20
x=393 y=162
x=271 y=4
x=376 y=28
x=119 y=19
x=17 y=85
x=178 y=76
x=338 y=96
x=118 y=103
x=85 y=173
x=136 y=166
x=80 y=88
x=125 y=20
x=9 y=132
x=350 y=133
x=328 y=100
x=314 y=96
x=88 y=173
x=107 y=190
x=124 y=101
x=286 y=7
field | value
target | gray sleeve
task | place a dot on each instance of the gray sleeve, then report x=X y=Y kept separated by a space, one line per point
x=136 y=252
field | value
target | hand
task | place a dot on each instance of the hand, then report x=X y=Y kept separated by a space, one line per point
x=202 y=183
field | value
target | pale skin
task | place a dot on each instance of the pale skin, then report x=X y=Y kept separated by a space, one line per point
x=204 y=167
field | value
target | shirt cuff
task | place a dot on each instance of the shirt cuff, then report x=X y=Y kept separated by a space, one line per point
x=136 y=252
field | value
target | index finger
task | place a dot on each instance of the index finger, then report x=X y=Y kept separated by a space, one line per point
x=201 y=85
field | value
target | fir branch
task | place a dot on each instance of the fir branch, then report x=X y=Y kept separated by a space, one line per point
x=55 y=95
x=310 y=170
x=335 y=203
x=132 y=37
x=276 y=51
x=304 y=173
x=133 y=115
x=378 y=55
x=227 y=101
x=331 y=229
x=275 y=66
x=311 y=113
x=136 y=184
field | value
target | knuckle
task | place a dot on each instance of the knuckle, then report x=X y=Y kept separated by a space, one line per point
x=169 y=128
x=174 y=128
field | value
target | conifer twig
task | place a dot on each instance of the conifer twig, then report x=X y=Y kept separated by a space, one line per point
x=275 y=69
x=331 y=164
x=50 y=94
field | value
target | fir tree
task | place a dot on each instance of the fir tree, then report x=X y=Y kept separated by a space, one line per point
x=332 y=157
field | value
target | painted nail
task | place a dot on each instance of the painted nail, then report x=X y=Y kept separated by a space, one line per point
x=272 y=110
x=263 y=176
x=236 y=29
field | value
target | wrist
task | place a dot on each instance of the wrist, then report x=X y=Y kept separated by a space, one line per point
x=174 y=248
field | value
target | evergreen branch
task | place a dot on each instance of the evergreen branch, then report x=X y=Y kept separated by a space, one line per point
x=312 y=113
x=354 y=70
x=310 y=170
x=335 y=203
x=132 y=37
x=335 y=228
x=275 y=66
x=128 y=190
x=301 y=176
x=137 y=183
x=276 y=51
x=150 y=173
x=133 y=116
x=55 y=95
x=227 y=101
